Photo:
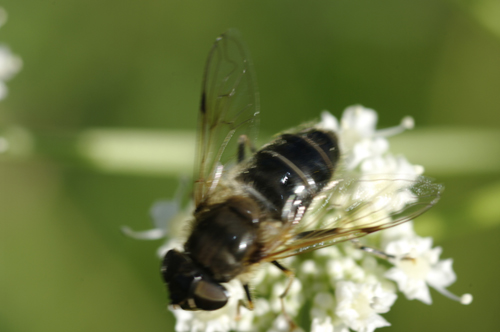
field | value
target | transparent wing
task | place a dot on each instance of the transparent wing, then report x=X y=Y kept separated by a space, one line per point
x=354 y=207
x=229 y=107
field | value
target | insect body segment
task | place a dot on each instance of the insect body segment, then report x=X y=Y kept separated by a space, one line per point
x=292 y=169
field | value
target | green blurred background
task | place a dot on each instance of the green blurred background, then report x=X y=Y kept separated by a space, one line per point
x=133 y=70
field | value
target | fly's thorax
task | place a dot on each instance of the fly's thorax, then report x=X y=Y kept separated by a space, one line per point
x=224 y=237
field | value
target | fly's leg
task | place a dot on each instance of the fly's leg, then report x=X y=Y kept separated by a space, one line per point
x=377 y=252
x=371 y=250
x=241 y=303
x=243 y=142
x=291 y=277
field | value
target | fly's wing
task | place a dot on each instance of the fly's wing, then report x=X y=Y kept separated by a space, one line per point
x=350 y=208
x=229 y=107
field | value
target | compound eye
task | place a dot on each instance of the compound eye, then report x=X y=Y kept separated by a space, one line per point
x=210 y=296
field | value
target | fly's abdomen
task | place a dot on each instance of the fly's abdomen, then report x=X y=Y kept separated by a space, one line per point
x=294 y=166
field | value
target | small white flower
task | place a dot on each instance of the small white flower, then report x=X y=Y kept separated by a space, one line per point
x=402 y=175
x=344 y=268
x=281 y=324
x=168 y=218
x=359 y=305
x=309 y=267
x=357 y=133
x=417 y=266
x=325 y=324
x=10 y=64
x=322 y=325
x=390 y=164
x=161 y=213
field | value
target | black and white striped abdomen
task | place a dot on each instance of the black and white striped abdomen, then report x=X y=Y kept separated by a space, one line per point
x=294 y=166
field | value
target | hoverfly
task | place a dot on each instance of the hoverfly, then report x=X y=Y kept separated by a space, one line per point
x=289 y=197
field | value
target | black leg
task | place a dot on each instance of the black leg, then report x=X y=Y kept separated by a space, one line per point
x=241 y=303
x=249 y=297
x=372 y=250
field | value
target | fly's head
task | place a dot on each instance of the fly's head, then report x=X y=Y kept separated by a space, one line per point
x=190 y=287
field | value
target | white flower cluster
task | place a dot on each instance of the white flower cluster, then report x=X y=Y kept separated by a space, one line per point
x=10 y=64
x=339 y=288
